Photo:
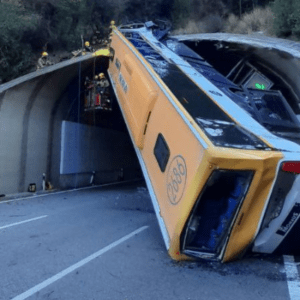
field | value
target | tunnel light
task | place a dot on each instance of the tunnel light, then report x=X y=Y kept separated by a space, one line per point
x=260 y=86
x=291 y=166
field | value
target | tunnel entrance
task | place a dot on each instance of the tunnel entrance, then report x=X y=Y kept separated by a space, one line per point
x=46 y=134
x=95 y=144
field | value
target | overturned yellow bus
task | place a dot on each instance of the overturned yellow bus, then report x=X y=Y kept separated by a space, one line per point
x=221 y=161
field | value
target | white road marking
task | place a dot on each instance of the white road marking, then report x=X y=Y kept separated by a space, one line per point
x=81 y=263
x=293 y=279
x=68 y=191
x=22 y=222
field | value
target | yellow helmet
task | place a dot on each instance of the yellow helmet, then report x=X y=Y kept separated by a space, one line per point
x=112 y=23
x=101 y=75
x=44 y=54
x=87 y=44
x=96 y=77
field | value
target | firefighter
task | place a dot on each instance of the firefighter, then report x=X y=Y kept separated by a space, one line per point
x=103 y=82
x=43 y=61
x=97 y=84
x=112 y=26
x=87 y=47
x=97 y=92
x=96 y=80
x=103 y=85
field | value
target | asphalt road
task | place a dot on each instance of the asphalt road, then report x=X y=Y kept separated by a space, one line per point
x=105 y=243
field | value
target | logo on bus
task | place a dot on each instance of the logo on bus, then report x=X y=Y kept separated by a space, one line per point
x=123 y=83
x=176 y=179
x=118 y=64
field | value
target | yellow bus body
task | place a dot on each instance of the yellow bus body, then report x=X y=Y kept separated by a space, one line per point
x=149 y=108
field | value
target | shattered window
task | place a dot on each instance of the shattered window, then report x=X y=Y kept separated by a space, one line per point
x=273 y=111
x=272 y=108
x=269 y=108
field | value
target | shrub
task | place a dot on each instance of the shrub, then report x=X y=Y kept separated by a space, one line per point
x=260 y=19
x=203 y=8
x=231 y=23
x=295 y=19
x=213 y=23
x=180 y=12
x=190 y=27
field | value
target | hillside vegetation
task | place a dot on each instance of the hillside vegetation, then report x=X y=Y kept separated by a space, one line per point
x=29 y=27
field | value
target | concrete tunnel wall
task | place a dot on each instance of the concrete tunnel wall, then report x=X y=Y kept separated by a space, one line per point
x=32 y=109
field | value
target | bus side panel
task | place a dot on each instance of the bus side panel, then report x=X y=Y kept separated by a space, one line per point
x=175 y=187
x=139 y=93
x=177 y=163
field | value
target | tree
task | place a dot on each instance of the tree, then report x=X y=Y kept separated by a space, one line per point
x=181 y=11
x=239 y=7
x=284 y=17
x=70 y=21
x=15 y=55
x=295 y=18
x=204 y=8
x=145 y=10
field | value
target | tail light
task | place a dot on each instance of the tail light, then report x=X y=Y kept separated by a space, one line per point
x=291 y=166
